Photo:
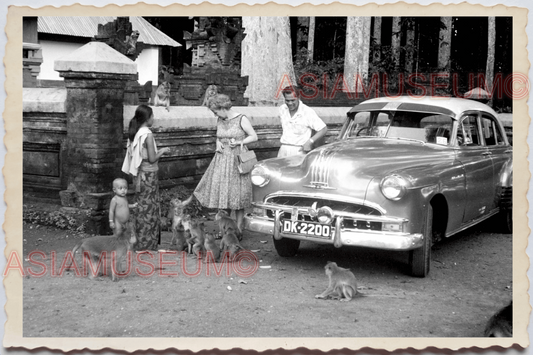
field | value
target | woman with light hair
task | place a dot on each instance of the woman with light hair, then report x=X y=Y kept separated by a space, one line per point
x=222 y=186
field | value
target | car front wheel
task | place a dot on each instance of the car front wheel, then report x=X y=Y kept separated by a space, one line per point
x=420 y=259
x=286 y=247
x=506 y=218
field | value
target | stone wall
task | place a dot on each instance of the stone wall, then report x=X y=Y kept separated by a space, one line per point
x=44 y=132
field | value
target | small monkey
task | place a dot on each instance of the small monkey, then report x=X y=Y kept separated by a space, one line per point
x=230 y=243
x=179 y=238
x=341 y=283
x=211 y=91
x=196 y=228
x=501 y=323
x=225 y=222
x=120 y=244
x=162 y=95
x=211 y=246
x=179 y=226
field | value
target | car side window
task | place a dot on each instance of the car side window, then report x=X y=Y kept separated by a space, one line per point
x=438 y=128
x=491 y=131
x=468 y=132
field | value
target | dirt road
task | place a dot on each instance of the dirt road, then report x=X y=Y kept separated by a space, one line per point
x=471 y=278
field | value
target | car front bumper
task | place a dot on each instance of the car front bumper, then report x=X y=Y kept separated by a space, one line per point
x=341 y=236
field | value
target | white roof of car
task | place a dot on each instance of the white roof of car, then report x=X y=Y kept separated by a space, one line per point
x=453 y=104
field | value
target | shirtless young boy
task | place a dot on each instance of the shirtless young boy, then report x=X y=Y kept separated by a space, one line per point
x=119 y=209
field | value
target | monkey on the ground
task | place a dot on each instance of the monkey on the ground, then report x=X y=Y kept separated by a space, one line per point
x=342 y=283
x=225 y=222
x=179 y=239
x=196 y=229
x=180 y=230
x=230 y=243
x=501 y=323
x=211 y=247
x=162 y=95
x=95 y=246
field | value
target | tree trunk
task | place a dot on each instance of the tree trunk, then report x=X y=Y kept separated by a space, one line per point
x=445 y=44
x=311 y=38
x=396 y=40
x=334 y=43
x=377 y=40
x=357 y=52
x=410 y=46
x=489 y=72
x=267 y=58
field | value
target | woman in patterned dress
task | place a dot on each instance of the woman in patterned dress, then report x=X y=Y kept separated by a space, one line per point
x=222 y=186
x=141 y=162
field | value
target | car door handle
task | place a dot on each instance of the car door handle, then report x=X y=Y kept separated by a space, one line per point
x=486 y=153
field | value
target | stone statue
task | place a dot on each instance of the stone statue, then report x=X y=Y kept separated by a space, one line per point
x=131 y=42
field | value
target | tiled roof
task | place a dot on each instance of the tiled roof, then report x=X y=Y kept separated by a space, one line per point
x=85 y=26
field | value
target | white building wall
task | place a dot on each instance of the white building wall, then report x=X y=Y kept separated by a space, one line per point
x=147 y=61
x=148 y=65
x=53 y=50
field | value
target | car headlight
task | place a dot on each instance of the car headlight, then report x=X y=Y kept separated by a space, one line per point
x=393 y=187
x=259 y=176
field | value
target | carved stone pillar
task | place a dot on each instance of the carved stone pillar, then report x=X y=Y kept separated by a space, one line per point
x=95 y=78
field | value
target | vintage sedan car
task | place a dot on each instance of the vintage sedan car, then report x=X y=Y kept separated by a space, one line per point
x=402 y=174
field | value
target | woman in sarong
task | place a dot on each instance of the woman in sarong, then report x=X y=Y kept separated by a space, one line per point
x=141 y=162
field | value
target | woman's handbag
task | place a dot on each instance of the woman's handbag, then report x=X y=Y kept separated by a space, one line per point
x=246 y=161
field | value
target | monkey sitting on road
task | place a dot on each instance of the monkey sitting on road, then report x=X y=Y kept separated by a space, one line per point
x=180 y=230
x=501 y=324
x=197 y=238
x=225 y=222
x=230 y=243
x=342 y=284
x=211 y=247
x=179 y=239
x=95 y=246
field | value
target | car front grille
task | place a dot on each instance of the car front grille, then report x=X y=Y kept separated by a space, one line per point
x=337 y=206
x=340 y=208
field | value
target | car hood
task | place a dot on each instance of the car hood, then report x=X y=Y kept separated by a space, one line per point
x=348 y=166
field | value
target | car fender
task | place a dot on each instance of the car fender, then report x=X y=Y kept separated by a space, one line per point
x=506 y=174
x=424 y=185
x=450 y=176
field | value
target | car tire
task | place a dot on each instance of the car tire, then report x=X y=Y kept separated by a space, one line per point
x=506 y=220
x=420 y=259
x=286 y=247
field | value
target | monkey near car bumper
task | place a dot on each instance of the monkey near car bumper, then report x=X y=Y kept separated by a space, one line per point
x=380 y=233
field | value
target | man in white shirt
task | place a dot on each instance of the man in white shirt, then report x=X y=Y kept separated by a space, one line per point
x=298 y=121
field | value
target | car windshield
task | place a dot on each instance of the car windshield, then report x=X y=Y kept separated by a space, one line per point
x=420 y=126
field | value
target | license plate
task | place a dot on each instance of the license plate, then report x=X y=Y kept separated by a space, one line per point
x=306 y=228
